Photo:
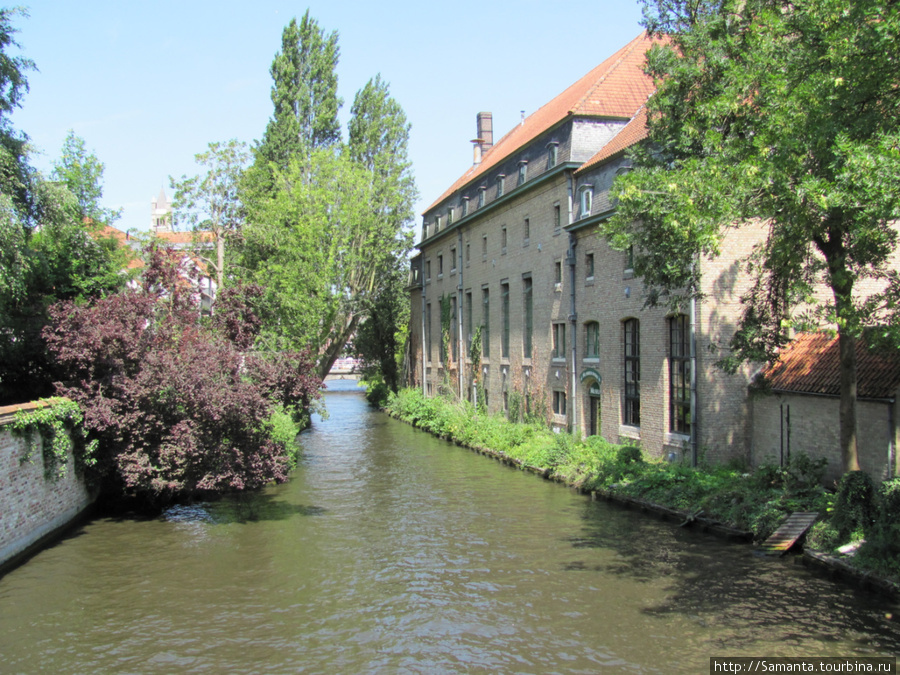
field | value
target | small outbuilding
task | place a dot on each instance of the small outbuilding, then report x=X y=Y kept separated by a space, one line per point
x=796 y=406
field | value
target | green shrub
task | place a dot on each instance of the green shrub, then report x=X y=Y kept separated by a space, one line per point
x=853 y=505
x=628 y=454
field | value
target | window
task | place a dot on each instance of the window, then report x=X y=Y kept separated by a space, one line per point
x=484 y=247
x=500 y=180
x=465 y=207
x=452 y=260
x=424 y=230
x=449 y=216
x=557 y=275
x=559 y=341
x=629 y=259
x=552 y=152
x=592 y=340
x=632 y=358
x=469 y=324
x=679 y=374
x=437 y=224
x=528 y=298
x=485 y=322
x=428 y=331
x=559 y=402
x=523 y=172
x=504 y=307
x=589 y=266
x=481 y=192
x=427 y=270
x=526 y=232
x=440 y=266
x=503 y=241
x=556 y=219
x=468 y=252
x=587 y=200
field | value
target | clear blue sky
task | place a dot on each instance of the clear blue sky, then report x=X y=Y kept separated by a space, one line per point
x=149 y=84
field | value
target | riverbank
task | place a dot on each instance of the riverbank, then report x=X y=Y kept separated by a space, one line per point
x=728 y=500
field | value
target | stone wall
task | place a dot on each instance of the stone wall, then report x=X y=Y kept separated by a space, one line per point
x=32 y=507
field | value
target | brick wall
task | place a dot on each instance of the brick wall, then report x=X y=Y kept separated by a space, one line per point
x=794 y=423
x=32 y=507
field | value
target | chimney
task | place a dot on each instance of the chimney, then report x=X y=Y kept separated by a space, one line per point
x=485 y=136
x=485 y=125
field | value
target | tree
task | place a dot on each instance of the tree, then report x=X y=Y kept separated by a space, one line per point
x=379 y=137
x=179 y=410
x=783 y=112
x=304 y=93
x=325 y=221
x=15 y=172
x=82 y=174
x=211 y=203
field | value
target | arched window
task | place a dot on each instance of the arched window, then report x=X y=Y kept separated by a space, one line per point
x=587 y=200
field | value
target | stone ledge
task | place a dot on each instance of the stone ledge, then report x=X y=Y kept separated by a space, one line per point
x=8 y=412
x=845 y=571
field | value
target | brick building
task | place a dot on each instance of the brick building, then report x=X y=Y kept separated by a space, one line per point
x=513 y=247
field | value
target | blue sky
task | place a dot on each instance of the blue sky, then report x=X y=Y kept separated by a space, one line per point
x=150 y=84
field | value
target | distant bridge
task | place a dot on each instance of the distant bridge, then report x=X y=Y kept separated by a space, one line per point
x=344 y=369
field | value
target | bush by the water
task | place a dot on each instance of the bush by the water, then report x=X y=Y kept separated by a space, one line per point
x=177 y=405
x=755 y=501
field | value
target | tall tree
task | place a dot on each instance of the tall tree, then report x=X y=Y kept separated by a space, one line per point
x=785 y=112
x=304 y=93
x=82 y=174
x=211 y=203
x=379 y=138
x=15 y=171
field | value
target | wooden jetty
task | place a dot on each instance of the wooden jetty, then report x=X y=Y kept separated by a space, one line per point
x=788 y=533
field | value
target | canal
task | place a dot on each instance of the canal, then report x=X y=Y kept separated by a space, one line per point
x=393 y=552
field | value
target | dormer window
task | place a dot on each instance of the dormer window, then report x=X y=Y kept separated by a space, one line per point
x=500 y=180
x=587 y=200
x=523 y=172
x=552 y=153
x=449 y=216
x=481 y=192
x=437 y=224
x=465 y=207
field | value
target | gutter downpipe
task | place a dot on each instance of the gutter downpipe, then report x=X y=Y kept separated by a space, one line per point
x=424 y=346
x=694 y=412
x=459 y=312
x=572 y=411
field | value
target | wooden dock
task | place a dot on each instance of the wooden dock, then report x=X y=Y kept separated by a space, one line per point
x=788 y=533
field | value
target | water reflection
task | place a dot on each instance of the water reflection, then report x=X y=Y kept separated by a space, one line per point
x=391 y=551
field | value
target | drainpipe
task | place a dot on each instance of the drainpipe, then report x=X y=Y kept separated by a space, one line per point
x=694 y=412
x=892 y=448
x=572 y=411
x=459 y=313
x=424 y=346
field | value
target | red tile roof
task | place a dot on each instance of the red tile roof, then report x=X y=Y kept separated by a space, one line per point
x=615 y=89
x=631 y=133
x=811 y=364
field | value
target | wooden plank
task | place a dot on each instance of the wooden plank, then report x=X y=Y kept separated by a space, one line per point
x=794 y=527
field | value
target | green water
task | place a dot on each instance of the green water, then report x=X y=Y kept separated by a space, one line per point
x=392 y=552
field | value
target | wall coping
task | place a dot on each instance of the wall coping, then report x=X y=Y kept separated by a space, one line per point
x=8 y=412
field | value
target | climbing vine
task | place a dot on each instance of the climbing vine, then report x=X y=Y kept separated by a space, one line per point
x=58 y=421
x=475 y=356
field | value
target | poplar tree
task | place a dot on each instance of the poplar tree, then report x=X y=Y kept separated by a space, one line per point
x=785 y=112
x=304 y=94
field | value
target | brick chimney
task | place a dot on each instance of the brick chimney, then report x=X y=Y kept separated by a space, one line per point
x=484 y=127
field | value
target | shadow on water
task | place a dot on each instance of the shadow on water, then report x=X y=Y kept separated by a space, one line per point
x=243 y=508
x=721 y=585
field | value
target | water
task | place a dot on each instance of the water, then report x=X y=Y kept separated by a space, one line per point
x=393 y=552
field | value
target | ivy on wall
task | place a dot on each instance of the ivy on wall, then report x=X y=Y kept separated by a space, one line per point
x=58 y=422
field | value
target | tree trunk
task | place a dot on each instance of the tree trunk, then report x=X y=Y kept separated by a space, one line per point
x=220 y=260
x=331 y=353
x=849 y=454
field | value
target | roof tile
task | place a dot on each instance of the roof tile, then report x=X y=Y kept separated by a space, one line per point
x=810 y=364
